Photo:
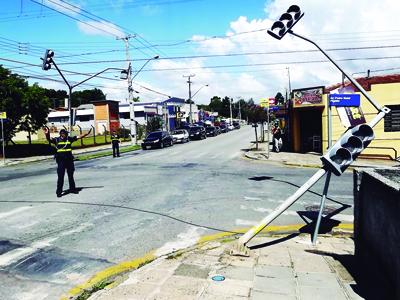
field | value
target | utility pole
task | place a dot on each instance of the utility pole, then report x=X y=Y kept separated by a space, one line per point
x=132 y=123
x=240 y=112
x=230 y=108
x=190 y=96
x=290 y=86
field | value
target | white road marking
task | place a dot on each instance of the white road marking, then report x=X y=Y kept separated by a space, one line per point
x=17 y=254
x=14 y=211
x=184 y=240
x=252 y=198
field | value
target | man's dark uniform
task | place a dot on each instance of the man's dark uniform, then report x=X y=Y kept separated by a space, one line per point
x=115 y=144
x=65 y=161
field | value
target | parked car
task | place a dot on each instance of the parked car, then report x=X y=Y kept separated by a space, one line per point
x=223 y=128
x=180 y=135
x=230 y=127
x=211 y=131
x=197 y=133
x=157 y=139
x=236 y=125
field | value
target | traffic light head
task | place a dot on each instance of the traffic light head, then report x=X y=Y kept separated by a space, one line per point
x=347 y=148
x=286 y=22
x=47 y=59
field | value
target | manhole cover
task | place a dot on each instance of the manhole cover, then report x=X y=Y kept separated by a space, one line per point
x=218 y=278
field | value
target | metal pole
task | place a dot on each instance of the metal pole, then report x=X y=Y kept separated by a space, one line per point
x=70 y=109
x=268 y=130
x=321 y=207
x=244 y=239
x=230 y=108
x=354 y=82
x=329 y=124
x=190 y=97
x=2 y=135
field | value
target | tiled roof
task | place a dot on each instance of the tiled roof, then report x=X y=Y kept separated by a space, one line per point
x=366 y=82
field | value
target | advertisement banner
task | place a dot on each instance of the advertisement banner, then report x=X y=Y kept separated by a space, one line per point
x=308 y=97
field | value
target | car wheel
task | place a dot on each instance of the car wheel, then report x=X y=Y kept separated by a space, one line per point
x=171 y=143
x=162 y=145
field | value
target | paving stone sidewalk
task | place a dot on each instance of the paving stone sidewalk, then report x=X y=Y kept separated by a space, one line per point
x=278 y=268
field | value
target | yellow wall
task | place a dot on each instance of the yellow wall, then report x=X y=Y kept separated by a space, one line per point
x=384 y=94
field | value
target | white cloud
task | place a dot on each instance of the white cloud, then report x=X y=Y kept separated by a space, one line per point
x=70 y=9
x=100 y=28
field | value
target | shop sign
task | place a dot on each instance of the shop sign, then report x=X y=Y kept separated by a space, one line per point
x=308 y=97
x=344 y=100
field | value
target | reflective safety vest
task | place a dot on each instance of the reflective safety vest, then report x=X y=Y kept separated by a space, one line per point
x=63 y=146
x=115 y=138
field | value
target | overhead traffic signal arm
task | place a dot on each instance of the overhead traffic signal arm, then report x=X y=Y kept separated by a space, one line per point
x=347 y=148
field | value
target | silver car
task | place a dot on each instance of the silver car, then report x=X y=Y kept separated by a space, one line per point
x=180 y=136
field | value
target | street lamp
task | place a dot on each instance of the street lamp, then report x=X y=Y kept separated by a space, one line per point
x=191 y=97
x=128 y=73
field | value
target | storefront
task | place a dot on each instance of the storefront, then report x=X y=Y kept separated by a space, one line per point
x=305 y=129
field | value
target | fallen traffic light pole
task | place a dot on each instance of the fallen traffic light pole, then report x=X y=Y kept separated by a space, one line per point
x=337 y=158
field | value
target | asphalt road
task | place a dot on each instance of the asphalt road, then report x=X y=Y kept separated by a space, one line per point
x=145 y=200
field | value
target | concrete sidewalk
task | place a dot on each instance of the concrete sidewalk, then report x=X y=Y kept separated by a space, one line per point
x=310 y=159
x=286 y=267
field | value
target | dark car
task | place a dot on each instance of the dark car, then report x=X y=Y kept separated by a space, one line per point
x=236 y=125
x=211 y=131
x=157 y=139
x=197 y=133
x=223 y=128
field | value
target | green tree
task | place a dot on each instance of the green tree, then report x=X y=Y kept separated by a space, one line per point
x=56 y=97
x=279 y=99
x=12 y=89
x=35 y=105
x=86 y=96
x=215 y=104
x=154 y=124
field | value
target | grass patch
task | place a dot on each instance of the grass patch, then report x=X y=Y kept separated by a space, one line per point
x=83 y=157
x=99 y=286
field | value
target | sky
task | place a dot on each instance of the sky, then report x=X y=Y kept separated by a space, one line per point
x=223 y=44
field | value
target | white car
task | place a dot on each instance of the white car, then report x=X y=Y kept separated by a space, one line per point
x=180 y=135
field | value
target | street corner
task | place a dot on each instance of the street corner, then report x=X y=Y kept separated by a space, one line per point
x=107 y=278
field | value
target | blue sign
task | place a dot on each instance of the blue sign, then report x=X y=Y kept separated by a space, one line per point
x=344 y=100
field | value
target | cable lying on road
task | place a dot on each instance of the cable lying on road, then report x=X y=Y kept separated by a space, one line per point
x=123 y=207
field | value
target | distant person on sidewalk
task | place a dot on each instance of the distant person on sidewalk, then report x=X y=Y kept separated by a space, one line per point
x=64 y=158
x=277 y=138
x=115 y=140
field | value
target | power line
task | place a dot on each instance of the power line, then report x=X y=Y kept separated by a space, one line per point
x=238 y=54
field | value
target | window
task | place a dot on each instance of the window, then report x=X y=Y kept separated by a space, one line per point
x=85 y=118
x=124 y=115
x=392 y=119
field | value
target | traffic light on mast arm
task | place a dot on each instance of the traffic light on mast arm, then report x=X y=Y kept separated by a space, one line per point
x=47 y=59
x=347 y=148
x=286 y=22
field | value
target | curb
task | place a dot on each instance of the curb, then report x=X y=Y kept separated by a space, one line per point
x=108 y=278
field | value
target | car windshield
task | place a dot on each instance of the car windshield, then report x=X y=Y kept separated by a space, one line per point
x=177 y=132
x=194 y=129
x=154 y=135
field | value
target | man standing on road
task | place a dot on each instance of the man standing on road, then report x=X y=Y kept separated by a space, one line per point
x=115 y=140
x=64 y=158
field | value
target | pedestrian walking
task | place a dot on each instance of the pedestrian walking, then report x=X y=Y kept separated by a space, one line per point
x=115 y=140
x=277 y=138
x=64 y=158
